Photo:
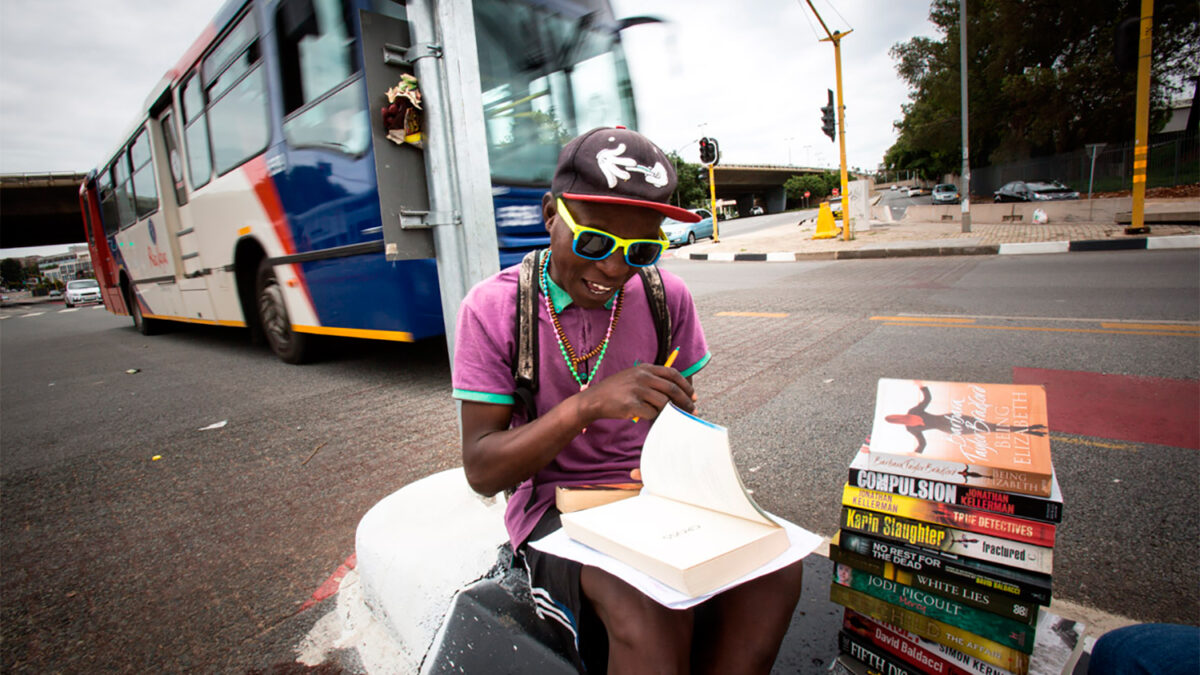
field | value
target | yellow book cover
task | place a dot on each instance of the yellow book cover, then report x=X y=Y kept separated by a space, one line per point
x=988 y=435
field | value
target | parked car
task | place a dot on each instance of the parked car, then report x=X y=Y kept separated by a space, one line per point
x=756 y=211
x=914 y=192
x=893 y=188
x=1034 y=191
x=80 y=291
x=55 y=293
x=687 y=233
x=946 y=193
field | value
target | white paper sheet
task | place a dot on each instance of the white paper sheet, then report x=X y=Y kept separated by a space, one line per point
x=558 y=543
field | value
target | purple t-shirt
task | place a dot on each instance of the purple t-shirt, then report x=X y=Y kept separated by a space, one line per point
x=485 y=347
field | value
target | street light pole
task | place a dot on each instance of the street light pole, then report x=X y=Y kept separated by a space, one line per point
x=836 y=38
x=962 y=76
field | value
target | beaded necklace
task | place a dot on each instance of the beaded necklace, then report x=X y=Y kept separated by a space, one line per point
x=564 y=345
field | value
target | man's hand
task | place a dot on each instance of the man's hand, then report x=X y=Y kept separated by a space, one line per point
x=641 y=391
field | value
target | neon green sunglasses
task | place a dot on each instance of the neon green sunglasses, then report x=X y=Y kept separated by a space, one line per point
x=596 y=244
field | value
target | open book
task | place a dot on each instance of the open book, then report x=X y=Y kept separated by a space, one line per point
x=693 y=527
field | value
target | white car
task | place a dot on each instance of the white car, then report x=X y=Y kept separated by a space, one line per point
x=914 y=191
x=81 y=291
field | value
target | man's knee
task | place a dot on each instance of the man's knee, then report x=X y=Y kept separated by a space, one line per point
x=630 y=617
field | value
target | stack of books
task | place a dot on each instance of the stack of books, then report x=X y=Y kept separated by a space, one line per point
x=946 y=546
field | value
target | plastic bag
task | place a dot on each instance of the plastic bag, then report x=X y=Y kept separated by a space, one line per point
x=1039 y=217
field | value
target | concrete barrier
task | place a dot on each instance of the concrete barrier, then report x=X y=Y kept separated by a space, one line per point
x=1070 y=211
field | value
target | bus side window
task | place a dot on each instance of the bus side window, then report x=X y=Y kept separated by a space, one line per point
x=236 y=88
x=174 y=161
x=323 y=94
x=145 y=189
x=124 y=189
x=108 y=201
x=196 y=132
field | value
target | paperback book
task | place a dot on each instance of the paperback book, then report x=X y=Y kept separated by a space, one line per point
x=1039 y=559
x=1047 y=509
x=693 y=526
x=986 y=435
x=995 y=578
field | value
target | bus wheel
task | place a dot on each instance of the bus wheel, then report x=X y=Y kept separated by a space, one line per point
x=142 y=324
x=288 y=345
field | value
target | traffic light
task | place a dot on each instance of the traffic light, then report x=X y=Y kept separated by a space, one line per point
x=708 y=151
x=828 y=122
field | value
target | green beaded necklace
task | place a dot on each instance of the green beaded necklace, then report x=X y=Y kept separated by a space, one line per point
x=564 y=345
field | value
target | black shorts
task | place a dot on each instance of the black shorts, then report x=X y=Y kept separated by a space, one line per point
x=559 y=600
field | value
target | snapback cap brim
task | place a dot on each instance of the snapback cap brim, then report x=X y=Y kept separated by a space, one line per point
x=682 y=215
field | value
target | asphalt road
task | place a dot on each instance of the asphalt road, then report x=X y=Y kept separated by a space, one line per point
x=201 y=559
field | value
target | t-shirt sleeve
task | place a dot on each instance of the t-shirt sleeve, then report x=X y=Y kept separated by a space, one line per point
x=686 y=331
x=483 y=347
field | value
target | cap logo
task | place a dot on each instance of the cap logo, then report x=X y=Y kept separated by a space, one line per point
x=615 y=166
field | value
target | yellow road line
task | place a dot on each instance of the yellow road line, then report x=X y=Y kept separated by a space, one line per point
x=1092 y=442
x=1153 y=326
x=1046 y=329
x=769 y=315
x=923 y=319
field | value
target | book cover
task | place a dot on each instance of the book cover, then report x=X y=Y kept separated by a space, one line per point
x=899 y=644
x=871 y=656
x=973 y=596
x=1039 y=559
x=962 y=640
x=994 y=627
x=568 y=499
x=976 y=573
x=987 y=435
x=1048 y=509
x=951 y=515
x=1053 y=646
x=693 y=527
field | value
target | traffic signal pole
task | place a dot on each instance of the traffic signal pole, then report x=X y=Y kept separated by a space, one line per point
x=1141 y=135
x=836 y=38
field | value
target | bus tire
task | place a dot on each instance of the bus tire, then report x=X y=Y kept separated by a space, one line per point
x=288 y=345
x=142 y=324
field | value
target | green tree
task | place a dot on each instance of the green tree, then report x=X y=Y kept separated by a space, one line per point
x=1042 y=79
x=796 y=186
x=690 y=192
x=10 y=272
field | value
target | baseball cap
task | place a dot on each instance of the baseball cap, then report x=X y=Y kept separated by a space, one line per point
x=615 y=165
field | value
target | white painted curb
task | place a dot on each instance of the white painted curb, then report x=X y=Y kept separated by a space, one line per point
x=1035 y=247
x=781 y=257
x=1175 y=241
x=721 y=257
x=418 y=547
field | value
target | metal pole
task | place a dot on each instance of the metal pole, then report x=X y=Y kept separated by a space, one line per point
x=456 y=160
x=712 y=195
x=847 y=235
x=1142 y=122
x=966 y=152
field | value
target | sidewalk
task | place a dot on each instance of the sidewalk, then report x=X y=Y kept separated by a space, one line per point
x=793 y=241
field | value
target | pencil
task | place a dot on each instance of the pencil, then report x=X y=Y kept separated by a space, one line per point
x=666 y=364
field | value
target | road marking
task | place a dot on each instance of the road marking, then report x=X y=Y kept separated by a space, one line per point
x=64 y=311
x=905 y=315
x=1048 y=329
x=1058 y=438
x=1152 y=326
x=331 y=584
x=32 y=314
x=769 y=315
x=932 y=319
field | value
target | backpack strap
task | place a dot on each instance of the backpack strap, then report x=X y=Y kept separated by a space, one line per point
x=656 y=296
x=525 y=365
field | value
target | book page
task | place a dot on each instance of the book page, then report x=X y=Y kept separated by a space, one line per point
x=687 y=459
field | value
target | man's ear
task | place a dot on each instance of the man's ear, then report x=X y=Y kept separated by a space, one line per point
x=548 y=209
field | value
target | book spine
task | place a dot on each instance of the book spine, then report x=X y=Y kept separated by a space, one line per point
x=956 y=662
x=971 y=520
x=1038 y=559
x=995 y=501
x=932 y=629
x=998 y=604
x=874 y=658
x=900 y=646
x=976 y=574
x=1005 y=480
x=997 y=628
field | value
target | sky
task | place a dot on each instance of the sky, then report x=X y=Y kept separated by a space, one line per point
x=752 y=74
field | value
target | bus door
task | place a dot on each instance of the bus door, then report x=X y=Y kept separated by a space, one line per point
x=190 y=273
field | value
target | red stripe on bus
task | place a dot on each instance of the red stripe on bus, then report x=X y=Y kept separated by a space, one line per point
x=268 y=197
x=189 y=57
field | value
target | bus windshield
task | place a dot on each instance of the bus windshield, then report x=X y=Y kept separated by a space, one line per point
x=547 y=77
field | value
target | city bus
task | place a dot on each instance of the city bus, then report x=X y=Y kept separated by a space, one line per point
x=257 y=186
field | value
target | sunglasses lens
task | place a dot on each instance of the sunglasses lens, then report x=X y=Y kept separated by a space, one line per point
x=643 y=253
x=593 y=245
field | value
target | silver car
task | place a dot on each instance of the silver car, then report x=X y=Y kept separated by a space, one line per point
x=80 y=291
x=946 y=193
